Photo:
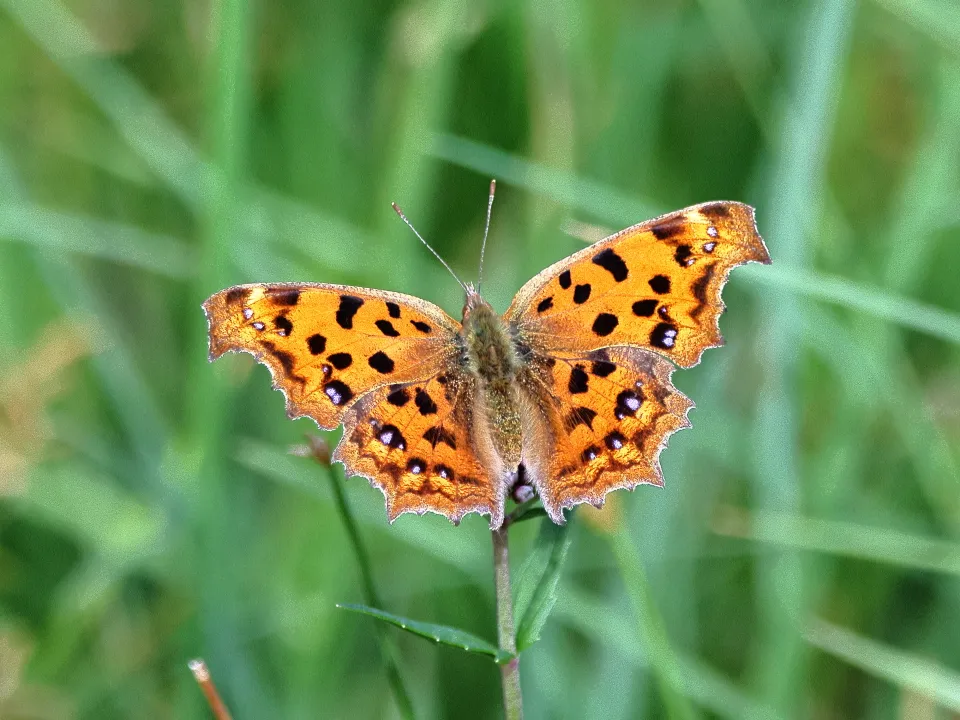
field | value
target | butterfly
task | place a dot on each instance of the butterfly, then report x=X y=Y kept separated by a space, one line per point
x=569 y=391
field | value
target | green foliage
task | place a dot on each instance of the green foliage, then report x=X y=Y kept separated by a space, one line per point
x=802 y=558
x=536 y=589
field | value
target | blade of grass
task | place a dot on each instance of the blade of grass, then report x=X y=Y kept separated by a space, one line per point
x=780 y=658
x=60 y=232
x=441 y=634
x=940 y=20
x=564 y=188
x=897 y=309
x=653 y=633
x=136 y=116
x=904 y=669
x=227 y=88
x=848 y=539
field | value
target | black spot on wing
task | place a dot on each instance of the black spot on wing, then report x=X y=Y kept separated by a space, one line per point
x=237 y=294
x=283 y=325
x=590 y=453
x=612 y=263
x=580 y=416
x=437 y=434
x=605 y=324
x=317 y=344
x=628 y=402
x=387 y=328
x=644 y=308
x=660 y=284
x=393 y=309
x=564 y=279
x=715 y=210
x=341 y=360
x=338 y=392
x=581 y=293
x=602 y=368
x=391 y=436
x=398 y=397
x=284 y=296
x=614 y=440
x=668 y=228
x=421 y=326
x=349 y=305
x=381 y=362
x=683 y=256
x=545 y=304
x=416 y=465
x=424 y=403
x=664 y=336
x=578 y=380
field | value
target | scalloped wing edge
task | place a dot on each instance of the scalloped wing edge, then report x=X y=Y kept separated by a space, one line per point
x=679 y=412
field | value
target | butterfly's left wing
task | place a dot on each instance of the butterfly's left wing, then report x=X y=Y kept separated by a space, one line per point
x=383 y=364
x=596 y=327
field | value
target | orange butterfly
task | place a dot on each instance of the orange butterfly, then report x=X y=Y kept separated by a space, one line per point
x=569 y=390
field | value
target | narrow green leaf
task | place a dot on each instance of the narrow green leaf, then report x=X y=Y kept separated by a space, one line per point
x=553 y=543
x=454 y=637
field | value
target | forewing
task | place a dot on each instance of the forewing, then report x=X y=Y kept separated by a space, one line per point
x=654 y=285
x=328 y=345
x=598 y=423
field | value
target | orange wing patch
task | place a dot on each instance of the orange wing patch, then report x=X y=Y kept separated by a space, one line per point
x=609 y=415
x=655 y=285
x=327 y=345
x=413 y=441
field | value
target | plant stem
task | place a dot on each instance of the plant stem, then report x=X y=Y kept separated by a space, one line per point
x=506 y=632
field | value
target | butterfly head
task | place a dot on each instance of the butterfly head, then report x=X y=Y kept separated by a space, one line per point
x=473 y=303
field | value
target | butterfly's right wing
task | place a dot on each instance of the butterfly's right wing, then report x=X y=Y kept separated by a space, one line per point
x=655 y=285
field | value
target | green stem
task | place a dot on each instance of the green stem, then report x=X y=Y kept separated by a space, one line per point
x=372 y=598
x=506 y=632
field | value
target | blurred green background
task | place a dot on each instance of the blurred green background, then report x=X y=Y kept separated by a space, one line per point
x=803 y=560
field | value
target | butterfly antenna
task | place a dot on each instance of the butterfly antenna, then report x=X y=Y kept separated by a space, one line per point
x=435 y=253
x=486 y=231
